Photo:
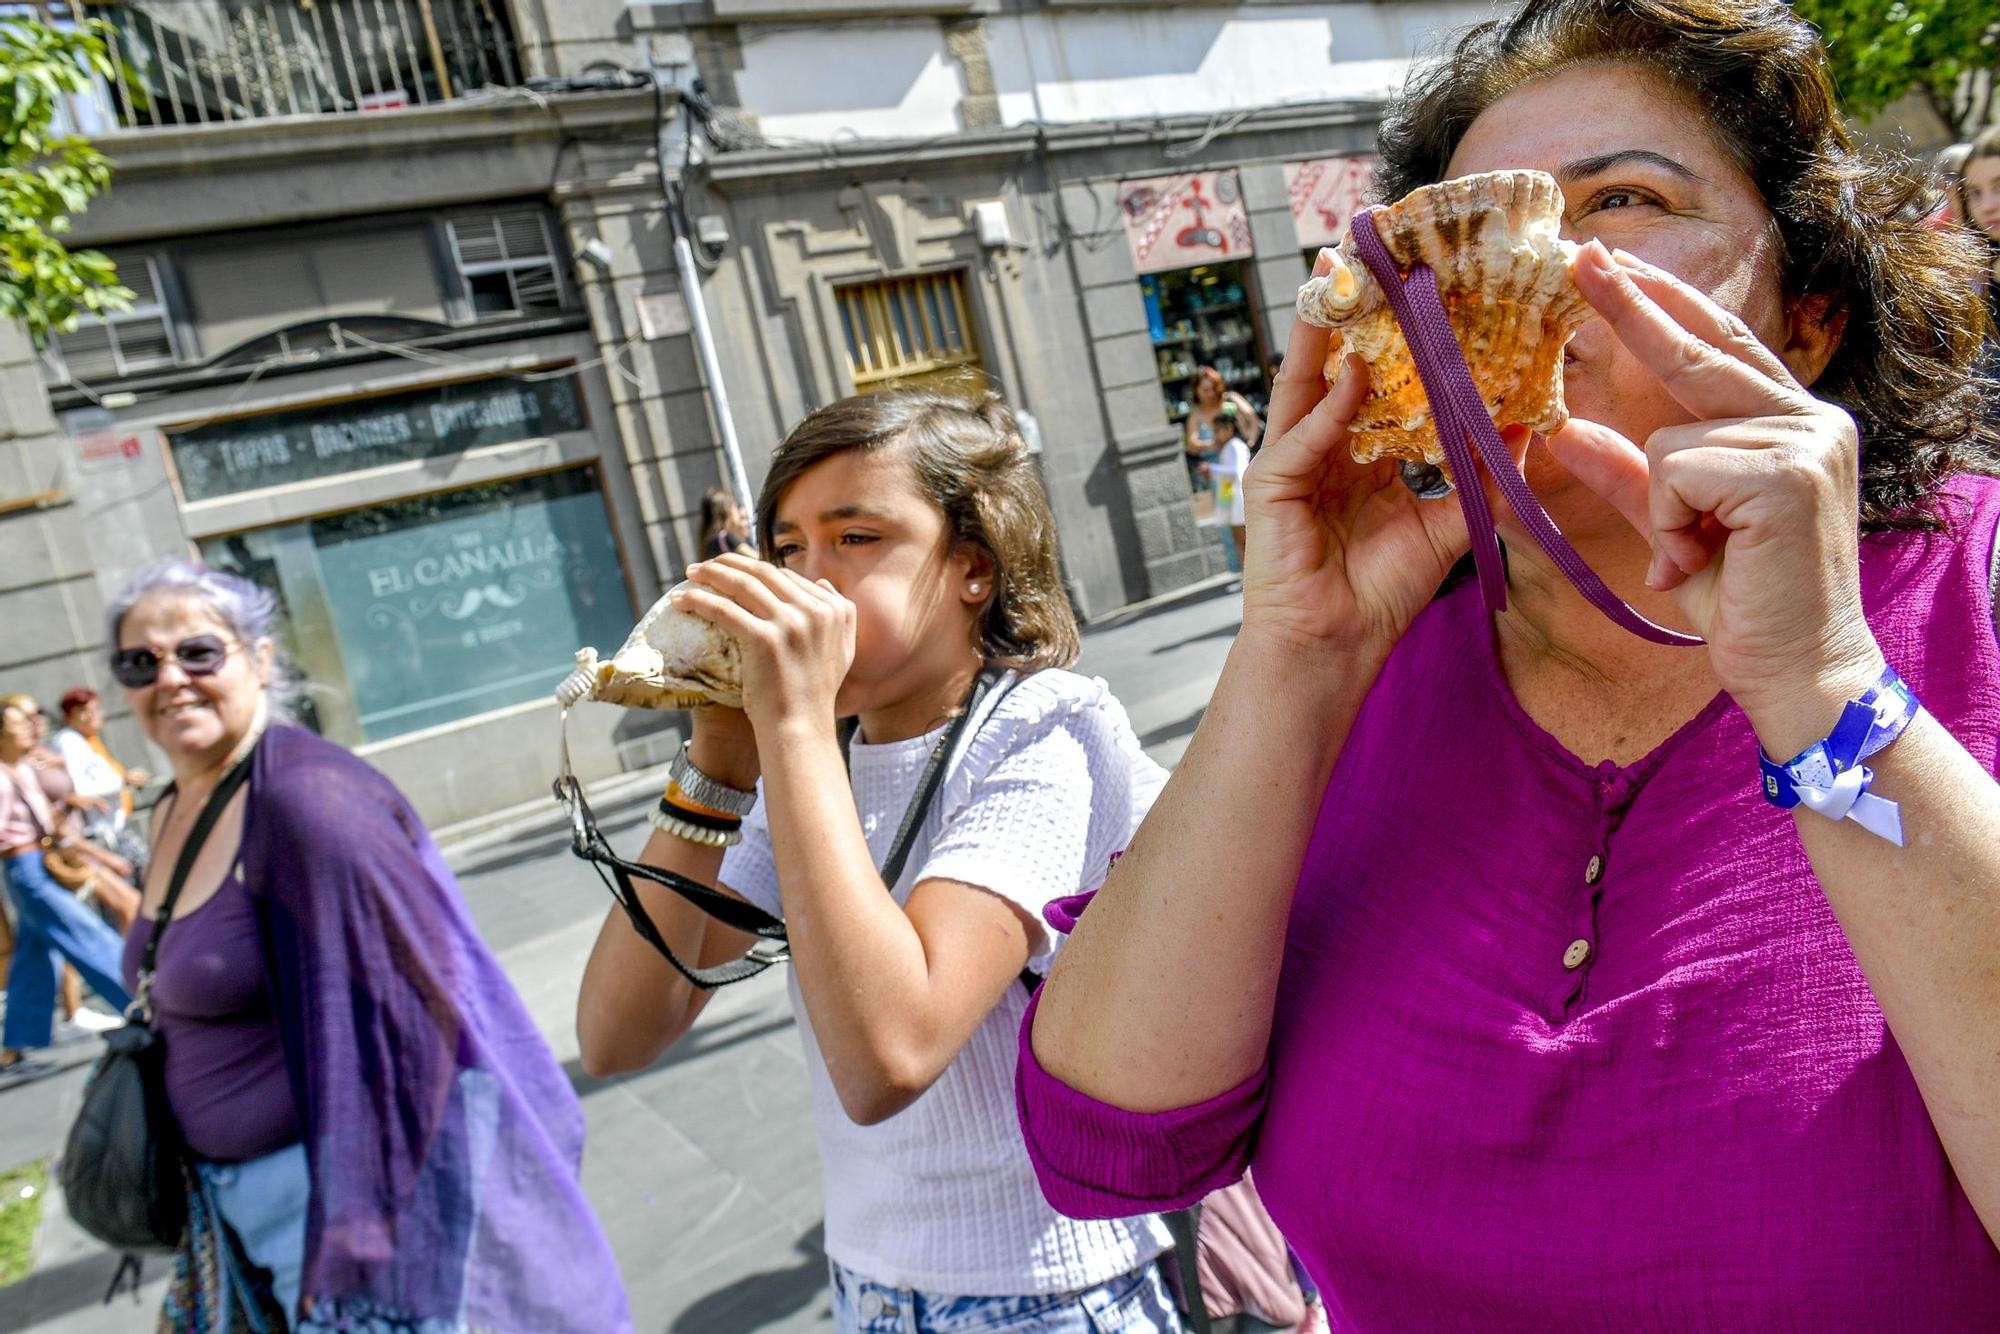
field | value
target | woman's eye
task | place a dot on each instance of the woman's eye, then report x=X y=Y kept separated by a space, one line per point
x=1612 y=199
x=787 y=551
x=856 y=539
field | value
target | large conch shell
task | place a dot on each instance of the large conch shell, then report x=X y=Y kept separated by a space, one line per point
x=1504 y=276
x=671 y=660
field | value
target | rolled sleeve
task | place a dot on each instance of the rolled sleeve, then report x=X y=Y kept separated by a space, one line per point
x=1094 y=1160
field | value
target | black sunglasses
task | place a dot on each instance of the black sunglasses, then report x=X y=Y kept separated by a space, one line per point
x=201 y=655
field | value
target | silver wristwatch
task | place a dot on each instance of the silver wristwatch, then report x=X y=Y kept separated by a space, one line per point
x=705 y=791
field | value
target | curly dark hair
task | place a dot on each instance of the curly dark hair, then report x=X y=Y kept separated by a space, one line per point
x=1849 y=223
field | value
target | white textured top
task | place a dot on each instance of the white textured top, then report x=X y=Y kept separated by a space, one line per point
x=941 y=1197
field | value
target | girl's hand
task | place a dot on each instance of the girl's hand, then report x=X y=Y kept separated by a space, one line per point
x=1753 y=510
x=1339 y=553
x=797 y=637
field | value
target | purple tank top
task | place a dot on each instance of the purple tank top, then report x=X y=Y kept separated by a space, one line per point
x=1562 y=1045
x=225 y=1069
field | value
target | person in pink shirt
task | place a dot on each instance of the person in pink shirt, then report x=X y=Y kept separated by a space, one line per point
x=1529 y=1003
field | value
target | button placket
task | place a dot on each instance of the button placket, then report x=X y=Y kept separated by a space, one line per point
x=1576 y=956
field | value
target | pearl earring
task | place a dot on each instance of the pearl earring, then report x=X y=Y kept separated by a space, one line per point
x=974 y=590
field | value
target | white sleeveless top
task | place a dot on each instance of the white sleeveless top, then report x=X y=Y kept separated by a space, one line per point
x=941 y=1197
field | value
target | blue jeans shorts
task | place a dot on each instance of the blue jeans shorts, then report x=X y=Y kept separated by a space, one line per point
x=1134 y=1303
x=263 y=1200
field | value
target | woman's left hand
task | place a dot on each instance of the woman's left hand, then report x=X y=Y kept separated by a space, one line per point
x=1752 y=509
x=796 y=636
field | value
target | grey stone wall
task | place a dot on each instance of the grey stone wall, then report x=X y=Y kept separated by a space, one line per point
x=51 y=616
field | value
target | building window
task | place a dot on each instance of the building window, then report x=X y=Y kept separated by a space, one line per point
x=426 y=611
x=901 y=331
x=106 y=347
x=507 y=263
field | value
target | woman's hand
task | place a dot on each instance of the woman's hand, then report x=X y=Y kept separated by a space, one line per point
x=796 y=635
x=1339 y=552
x=1752 y=510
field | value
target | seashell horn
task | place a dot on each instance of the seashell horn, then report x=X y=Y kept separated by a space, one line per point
x=1503 y=273
x=671 y=660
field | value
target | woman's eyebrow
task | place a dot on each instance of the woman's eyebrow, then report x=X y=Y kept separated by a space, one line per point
x=1585 y=167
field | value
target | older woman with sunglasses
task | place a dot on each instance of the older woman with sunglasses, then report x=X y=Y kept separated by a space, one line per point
x=51 y=925
x=366 y=1103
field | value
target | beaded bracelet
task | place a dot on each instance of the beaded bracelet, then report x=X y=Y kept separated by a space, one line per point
x=696 y=826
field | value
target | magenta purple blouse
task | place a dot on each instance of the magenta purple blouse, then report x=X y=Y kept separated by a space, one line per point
x=1562 y=1045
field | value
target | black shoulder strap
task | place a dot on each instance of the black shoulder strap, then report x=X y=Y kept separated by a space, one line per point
x=942 y=759
x=232 y=782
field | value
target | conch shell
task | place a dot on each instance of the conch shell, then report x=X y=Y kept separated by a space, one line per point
x=1504 y=276
x=671 y=660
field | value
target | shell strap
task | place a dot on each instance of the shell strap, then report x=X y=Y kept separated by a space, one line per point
x=1464 y=425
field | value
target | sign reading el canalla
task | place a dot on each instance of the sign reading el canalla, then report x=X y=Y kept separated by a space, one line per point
x=227 y=457
x=443 y=617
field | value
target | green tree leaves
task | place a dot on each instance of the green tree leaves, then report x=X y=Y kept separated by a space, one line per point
x=45 y=177
x=1881 y=49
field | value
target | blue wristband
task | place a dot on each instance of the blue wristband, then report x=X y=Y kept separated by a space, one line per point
x=1829 y=778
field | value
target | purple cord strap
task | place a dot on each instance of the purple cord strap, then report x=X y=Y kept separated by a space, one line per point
x=1464 y=424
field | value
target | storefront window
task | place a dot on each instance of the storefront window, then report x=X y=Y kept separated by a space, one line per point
x=426 y=611
x=1201 y=317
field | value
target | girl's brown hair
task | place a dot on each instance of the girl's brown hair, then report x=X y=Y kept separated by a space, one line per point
x=968 y=458
x=1849 y=224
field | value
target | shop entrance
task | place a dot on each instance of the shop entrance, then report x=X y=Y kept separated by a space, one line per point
x=1201 y=317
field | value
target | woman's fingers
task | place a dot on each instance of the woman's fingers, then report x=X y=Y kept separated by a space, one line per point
x=1695 y=311
x=1706 y=379
x=1634 y=482
x=1299 y=456
x=1700 y=474
x=1607 y=463
x=1301 y=381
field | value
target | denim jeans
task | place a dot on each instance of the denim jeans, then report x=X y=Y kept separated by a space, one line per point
x=263 y=1200
x=1134 y=1303
x=51 y=926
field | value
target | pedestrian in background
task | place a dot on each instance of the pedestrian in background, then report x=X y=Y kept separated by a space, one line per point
x=1229 y=460
x=375 y=1125
x=1979 y=198
x=912 y=555
x=723 y=526
x=51 y=926
x=1948 y=170
x=98 y=776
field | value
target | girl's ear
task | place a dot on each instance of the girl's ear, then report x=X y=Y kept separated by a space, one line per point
x=974 y=568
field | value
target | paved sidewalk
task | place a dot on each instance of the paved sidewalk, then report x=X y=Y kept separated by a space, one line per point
x=702 y=1168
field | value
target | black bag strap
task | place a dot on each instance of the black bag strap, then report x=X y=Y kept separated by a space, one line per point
x=588 y=842
x=947 y=751
x=1185 y=1225
x=232 y=782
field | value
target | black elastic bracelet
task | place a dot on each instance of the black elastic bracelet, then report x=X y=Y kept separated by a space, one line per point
x=721 y=824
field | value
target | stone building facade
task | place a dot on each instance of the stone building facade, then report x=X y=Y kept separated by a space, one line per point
x=421 y=357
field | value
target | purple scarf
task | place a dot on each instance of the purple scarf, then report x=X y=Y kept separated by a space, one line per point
x=443 y=1140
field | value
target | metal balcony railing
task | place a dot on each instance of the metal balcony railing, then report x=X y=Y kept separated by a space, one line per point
x=204 y=62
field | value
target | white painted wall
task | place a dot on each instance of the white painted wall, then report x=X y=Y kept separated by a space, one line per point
x=893 y=78
x=1138 y=63
x=878 y=80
